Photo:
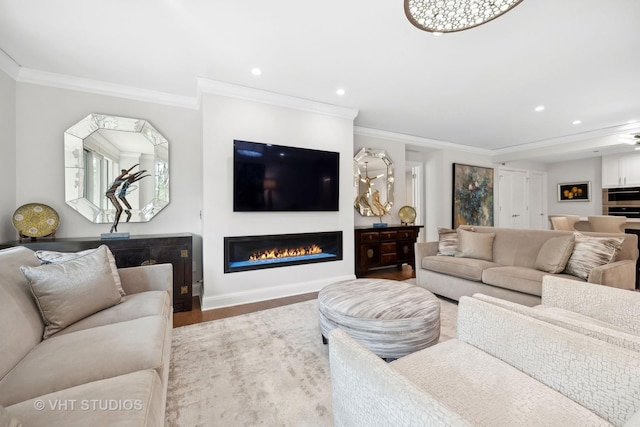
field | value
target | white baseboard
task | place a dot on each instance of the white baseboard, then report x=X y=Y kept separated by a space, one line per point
x=255 y=295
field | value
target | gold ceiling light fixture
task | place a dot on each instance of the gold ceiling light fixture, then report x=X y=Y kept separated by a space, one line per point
x=448 y=16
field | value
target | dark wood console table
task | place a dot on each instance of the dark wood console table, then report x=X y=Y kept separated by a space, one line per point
x=137 y=250
x=385 y=246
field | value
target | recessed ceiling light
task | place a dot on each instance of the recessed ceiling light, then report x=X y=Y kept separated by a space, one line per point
x=256 y=71
x=539 y=108
x=632 y=121
x=437 y=33
x=637 y=148
x=340 y=92
x=576 y=122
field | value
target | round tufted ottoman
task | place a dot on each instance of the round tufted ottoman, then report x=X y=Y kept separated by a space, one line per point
x=390 y=318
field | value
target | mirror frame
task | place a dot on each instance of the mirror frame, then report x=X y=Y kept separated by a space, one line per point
x=74 y=163
x=359 y=162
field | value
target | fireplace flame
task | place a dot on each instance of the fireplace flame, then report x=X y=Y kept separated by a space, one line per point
x=284 y=253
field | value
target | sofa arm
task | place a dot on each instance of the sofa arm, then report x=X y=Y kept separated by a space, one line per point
x=366 y=391
x=618 y=307
x=156 y=277
x=600 y=376
x=423 y=249
x=618 y=274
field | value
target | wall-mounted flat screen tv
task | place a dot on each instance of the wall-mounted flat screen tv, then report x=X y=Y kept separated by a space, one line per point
x=269 y=177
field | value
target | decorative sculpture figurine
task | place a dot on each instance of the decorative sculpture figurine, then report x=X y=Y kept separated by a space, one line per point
x=122 y=182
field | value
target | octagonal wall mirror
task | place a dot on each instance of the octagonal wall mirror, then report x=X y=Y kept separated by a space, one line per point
x=97 y=150
x=372 y=182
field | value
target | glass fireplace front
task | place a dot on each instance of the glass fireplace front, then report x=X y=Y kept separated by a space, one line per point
x=244 y=253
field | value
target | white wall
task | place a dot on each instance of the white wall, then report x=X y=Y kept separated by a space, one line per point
x=43 y=114
x=227 y=118
x=8 y=156
x=576 y=171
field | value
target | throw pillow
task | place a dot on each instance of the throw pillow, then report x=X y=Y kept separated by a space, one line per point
x=7 y=420
x=447 y=241
x=591 y=252
x=53 y=257
x=72 y=290
x=554 y=254
x=475 y=245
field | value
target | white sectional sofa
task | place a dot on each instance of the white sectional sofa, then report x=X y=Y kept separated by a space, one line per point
x=509 y=365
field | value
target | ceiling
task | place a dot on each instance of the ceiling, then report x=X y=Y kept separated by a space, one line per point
x=476 y=89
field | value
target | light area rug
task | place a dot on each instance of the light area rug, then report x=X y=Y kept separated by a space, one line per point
x=266 y=368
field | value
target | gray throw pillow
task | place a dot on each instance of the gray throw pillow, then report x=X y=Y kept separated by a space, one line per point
x=53 y=257
x=591 y=252
x=72 y=290
x=554 y=254
x=475 y=245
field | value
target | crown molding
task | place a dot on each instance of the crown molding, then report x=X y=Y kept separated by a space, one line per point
x=418 y=140
x=577 y=142
x=62 y=81
x=8 y=65
x=230 y=90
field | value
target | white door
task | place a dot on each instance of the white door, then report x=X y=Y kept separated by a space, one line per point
x=538 y=200
x=513 y=193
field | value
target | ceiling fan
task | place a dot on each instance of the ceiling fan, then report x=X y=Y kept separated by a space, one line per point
x=631 y=139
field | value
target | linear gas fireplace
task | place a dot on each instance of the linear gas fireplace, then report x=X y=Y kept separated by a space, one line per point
x=244 y=253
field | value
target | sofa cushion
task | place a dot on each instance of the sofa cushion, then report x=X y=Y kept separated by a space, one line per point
x=135 y=399
x=590 y=252
x=521 y=279
x=133 y=306
x=554 y=254
x=89 y=355
x=475 y=245
x=466 y=268
x=487 y=390
x=6 y=420
x=53 y=257
x=72 y=290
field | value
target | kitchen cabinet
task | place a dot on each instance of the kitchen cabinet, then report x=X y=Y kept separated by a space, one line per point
x=621 y=170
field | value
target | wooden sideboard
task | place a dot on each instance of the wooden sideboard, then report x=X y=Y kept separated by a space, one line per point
x=175 y=249
x=384 y=246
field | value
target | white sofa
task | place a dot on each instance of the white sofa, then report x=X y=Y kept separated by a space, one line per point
x=109 y=368
x=507 y=366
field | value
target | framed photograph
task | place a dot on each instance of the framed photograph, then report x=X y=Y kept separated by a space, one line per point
x=472 y=195
x=574 y=191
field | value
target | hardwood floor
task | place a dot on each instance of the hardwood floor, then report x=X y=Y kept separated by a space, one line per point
x=196 y=315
